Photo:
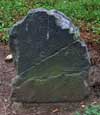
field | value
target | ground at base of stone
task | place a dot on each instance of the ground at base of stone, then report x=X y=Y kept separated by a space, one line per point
x=7 y=73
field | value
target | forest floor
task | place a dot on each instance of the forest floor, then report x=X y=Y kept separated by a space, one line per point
x=8 y=72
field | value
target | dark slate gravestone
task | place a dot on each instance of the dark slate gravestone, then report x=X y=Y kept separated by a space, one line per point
x=52 y=62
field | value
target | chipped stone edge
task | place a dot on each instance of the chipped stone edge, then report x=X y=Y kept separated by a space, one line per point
x=61 y=20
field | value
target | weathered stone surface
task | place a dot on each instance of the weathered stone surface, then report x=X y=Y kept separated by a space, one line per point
x=52 y=62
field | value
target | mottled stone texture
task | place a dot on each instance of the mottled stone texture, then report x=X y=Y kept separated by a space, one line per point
x=52 y=62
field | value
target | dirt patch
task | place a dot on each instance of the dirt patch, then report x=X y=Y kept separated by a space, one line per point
x=7 y=73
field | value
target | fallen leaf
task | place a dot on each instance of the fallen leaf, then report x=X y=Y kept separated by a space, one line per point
x=55 y=110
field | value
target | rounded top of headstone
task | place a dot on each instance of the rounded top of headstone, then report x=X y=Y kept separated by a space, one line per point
x=61 y=20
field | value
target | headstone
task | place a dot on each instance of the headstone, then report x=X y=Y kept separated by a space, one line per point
x=52 y=62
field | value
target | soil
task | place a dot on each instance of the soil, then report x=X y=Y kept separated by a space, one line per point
x=8 y=72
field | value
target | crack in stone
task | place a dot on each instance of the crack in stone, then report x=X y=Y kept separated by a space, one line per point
x=59 y=75
x=49 y=57
x=20 y=76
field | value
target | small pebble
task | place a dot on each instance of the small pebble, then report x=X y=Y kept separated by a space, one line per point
x=83 y=106
x=9 y=58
